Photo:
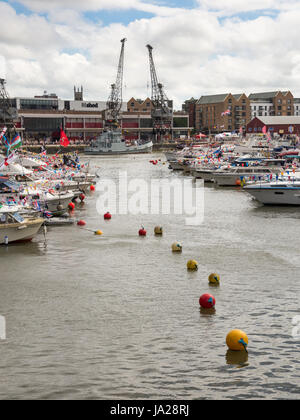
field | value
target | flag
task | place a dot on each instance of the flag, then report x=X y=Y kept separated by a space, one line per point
x=47 y=214
x=8 y=160
x=227 y=112
x=16 y=142
x=264 y=130
x=5 y=142
x=64 y=141
x=4 y=130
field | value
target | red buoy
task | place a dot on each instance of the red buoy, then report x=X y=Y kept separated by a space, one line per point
x=81 y=223
x=107 y=216
x=71 y=206
x=82 y=197
x=142 y=232
x=92 y=188
x=207 y=301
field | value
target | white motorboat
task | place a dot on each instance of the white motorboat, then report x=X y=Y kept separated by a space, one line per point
x=280 y=193
x=235 y=175
x=55 y=202
x=15 y=228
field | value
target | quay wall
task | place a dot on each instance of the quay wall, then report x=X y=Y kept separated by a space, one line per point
x=55 y=148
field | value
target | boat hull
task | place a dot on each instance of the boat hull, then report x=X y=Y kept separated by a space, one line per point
x=128 y=150
x=276 y=196
x=19 y=233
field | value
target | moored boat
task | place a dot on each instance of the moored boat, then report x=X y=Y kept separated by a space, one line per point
x=112 y=143
x=14 y=227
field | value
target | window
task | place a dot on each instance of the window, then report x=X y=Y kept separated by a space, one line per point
x=279 y=101
x=38 y=104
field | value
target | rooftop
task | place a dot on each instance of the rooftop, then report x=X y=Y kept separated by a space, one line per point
x=265 y=95
x=277 y=120
x=212 y=99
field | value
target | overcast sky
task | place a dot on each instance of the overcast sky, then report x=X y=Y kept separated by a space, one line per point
x=200 y=46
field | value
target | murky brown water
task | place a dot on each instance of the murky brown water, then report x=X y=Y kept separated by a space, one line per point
x=117 y=317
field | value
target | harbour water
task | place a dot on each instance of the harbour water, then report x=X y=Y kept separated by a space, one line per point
x=117 y=316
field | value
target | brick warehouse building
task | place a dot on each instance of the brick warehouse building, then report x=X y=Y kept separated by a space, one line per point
x=272 y=104
x=210 y=112
x=137 y=122
x=281 y=125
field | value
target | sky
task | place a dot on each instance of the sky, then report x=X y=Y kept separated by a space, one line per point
x=200 y=46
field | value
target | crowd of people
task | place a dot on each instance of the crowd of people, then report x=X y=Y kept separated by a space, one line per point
x=51 y=141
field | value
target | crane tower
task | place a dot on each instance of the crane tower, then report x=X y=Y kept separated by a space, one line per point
x=114 y=102
x=162 y=112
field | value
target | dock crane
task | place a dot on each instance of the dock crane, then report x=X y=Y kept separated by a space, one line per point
x=8 y=113
x=114 y=102
x=161 y=113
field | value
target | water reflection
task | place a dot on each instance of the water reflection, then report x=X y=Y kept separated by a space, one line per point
x=237 y=358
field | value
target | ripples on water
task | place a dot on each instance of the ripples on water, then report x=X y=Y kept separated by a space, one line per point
x=117 y=317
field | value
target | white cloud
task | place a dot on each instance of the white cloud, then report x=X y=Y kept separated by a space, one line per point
x=240 y=6
x=96 y=5
x=195 y=52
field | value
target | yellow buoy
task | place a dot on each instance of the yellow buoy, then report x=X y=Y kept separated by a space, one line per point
x=177 y=247
x=192 y=265
x=158 y=230
x=214 y=279
x=99 y=233
x=237 y=340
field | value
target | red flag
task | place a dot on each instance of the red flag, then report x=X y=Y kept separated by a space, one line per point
x=64 y=141
x=264 y=130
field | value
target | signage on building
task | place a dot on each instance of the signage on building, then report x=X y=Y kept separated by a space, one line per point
x=291 y=129
x=89 y=105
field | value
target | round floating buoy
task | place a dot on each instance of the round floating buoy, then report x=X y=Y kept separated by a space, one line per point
x=214 y=279
x=71 y=206
x=92 y=188
x=158 y=230
x=98 y=232
x=238 y=182
x=142 y=232
x=177 y=247
x=81 y=223
x=192 y=265
x=207 y=301
x=237 y=340
x=82 y=197
x=107 y=216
